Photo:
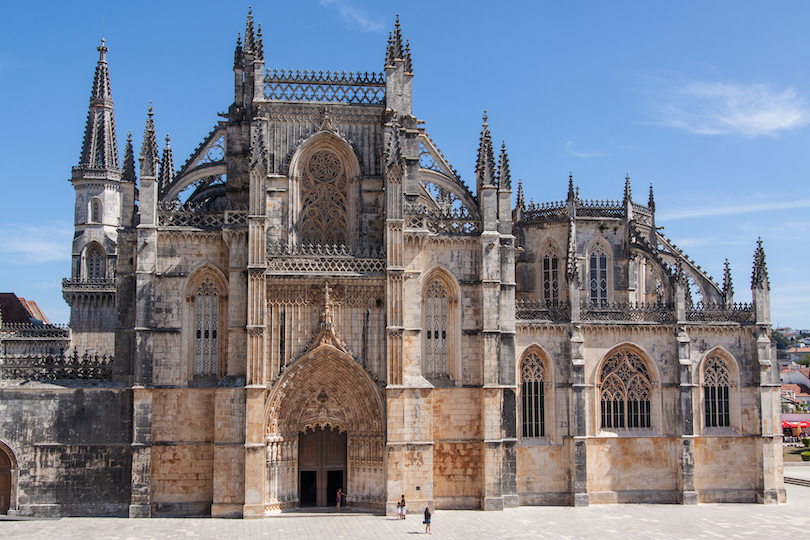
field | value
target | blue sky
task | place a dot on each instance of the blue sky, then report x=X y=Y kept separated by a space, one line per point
x=708 y=101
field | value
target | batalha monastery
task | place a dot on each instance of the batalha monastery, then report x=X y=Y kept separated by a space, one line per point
x=315 y=301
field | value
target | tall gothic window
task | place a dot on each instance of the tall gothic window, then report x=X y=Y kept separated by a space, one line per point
x=532 y=375
x=95 y=264
x=206 y=322
x=436 y=305
x=598 y=276
x=716 y=386
x=551 y=276
x=95 y=211
x=625 y=392
x=324 y=205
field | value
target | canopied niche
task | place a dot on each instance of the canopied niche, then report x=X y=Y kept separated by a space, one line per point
x=325 y=390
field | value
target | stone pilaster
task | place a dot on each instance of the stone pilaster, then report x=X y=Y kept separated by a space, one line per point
x=686 y=459
x=579 y=488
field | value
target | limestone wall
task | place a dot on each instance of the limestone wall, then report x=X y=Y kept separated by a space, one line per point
x=726 y=469
x=72 y=449
x=182 y=451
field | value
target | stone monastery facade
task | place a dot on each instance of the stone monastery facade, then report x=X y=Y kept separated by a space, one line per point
x=315 y=301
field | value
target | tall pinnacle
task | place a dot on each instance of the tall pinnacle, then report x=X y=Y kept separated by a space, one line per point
x=250 y=35
x=149 y=151
x=728 y=288
x=504 y=175
x=759 y=278
x=129 y=161
x=100 y=148
x=395 y=50
x=628 y=196
x=485 y=167
x=166 y=167
x=520 y=202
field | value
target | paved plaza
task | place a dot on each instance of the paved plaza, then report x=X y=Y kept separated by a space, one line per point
x=791 y=520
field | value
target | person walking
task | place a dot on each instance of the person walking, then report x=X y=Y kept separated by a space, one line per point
x=427 y=521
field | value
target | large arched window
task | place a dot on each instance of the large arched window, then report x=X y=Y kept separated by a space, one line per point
x=717 y=383
x=206 y=323
x=550 y=275
x=532 y=378
x=95 y=263
x=436 y=302
x=324 y=202
x=625 y=392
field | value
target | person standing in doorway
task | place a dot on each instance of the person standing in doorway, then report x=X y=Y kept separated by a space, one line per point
x=339 y=498
x=427 y=521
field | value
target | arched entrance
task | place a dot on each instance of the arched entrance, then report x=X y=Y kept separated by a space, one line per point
x=324 y=428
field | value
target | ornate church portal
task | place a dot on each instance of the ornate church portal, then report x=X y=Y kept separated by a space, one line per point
x=324 y=427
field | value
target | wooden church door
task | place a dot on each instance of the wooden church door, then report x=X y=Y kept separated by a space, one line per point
x=321 y=466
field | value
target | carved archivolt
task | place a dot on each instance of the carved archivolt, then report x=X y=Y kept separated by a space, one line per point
x=325 y=388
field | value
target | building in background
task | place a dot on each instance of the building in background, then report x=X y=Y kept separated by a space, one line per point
x=314 y=300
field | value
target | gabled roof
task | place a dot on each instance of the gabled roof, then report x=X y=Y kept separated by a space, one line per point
x=19 y=310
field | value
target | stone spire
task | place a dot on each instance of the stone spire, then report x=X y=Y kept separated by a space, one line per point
x=504 y=176
x=100 y=149
x=129 y=160
x=395 y=50
x=250 y=35
x=166 y=168
x=728 y=288
x=259 y=45
x=149 y=151
x=759 y=278
x=238 y=60
x=520 y=202
x=485 y=167
x=628 y=195
x=571 y=194
x=651 y=201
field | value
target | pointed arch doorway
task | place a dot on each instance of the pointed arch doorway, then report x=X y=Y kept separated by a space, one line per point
x=324 y=430
x=321 y=465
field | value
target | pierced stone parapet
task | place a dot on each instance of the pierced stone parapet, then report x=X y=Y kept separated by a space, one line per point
x=289 y=85
x=627 y=311
x=710 y=312
x=451 y=221
x=283 y=257
x=52 y=367
x=528 y=310
x=88 y=285
x=200 y=216
x=549 y=211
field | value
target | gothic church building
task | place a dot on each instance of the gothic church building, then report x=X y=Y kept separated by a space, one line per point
x=314 y=300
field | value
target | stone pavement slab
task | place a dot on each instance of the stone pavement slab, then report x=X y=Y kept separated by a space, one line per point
x=648 y=522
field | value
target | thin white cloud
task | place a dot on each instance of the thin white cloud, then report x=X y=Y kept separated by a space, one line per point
x=719 y=108
x=569 y=148
x=35 y=245
x=721 y=210
x=352 y=14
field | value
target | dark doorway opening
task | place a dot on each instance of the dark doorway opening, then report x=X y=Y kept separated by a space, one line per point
x=322 y=465
x=309 y=488
x=334 y=482
x=5 y=482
